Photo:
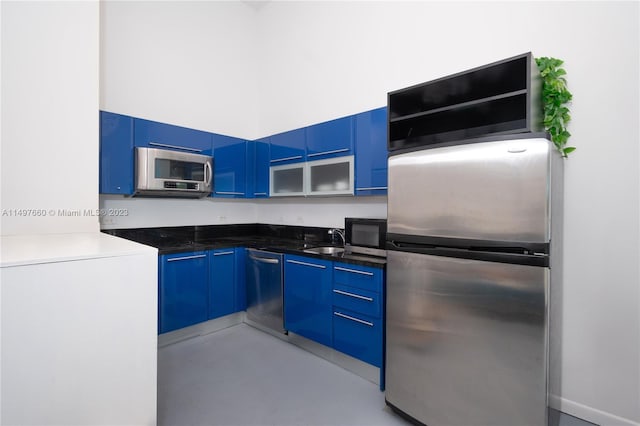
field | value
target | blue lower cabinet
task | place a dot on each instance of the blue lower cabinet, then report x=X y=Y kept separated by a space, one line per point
x=222 y=283
x=183 y=289
x=358 y=312
x=307 y=298
x=358 y=335
x=241 y=279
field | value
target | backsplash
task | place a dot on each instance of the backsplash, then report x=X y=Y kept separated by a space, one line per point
x=160 y=212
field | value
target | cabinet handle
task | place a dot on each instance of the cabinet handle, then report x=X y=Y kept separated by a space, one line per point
x=229 y=193
x=164 y=145
x=335 y=151
x=175 y=259
x=208 y=175
x=372 y=188
x=265 y=259
x=370 y=324
x=295 y=157
x=306 y=264
x=357 y=296
x=338 y=268
x=222 y=253
x=259 y=193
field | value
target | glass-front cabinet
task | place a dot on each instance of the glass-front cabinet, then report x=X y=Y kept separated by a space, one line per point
x=333 y=176
x=287 y=180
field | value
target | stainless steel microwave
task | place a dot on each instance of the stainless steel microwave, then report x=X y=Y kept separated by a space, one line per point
x=164 y=173
x=366 y=236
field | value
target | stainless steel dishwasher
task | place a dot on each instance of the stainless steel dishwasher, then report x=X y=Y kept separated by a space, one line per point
x=264 y=289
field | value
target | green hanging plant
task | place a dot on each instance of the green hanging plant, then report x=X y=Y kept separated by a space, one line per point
x=555 y=96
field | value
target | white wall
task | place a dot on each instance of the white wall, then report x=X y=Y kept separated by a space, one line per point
x=325 y=212
x=186 y=63
x=49 y=116
x=313 y=61
x=155 y=212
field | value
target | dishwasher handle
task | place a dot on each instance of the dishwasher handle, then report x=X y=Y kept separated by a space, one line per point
x=265 y=259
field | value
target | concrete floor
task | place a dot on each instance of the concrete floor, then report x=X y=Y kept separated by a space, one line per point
x=243 y=376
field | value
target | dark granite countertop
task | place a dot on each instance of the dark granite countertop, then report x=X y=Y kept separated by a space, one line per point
x=275 y=238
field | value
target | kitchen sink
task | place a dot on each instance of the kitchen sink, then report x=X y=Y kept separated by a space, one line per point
x=325 y=250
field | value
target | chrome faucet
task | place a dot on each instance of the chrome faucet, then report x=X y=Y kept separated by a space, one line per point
x=338 y=231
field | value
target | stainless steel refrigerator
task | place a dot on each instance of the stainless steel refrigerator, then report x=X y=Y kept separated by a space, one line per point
x=473 y=249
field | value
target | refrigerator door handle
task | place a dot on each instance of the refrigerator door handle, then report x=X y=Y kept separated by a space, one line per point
x=524 y=257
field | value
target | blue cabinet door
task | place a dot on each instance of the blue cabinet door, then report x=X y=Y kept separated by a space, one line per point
x=371 y=152
x=307 y=298
x=230 y=167
x=116 y=154
x=241 y=279
x=288 y=147
x=260 y=168
x=167 y=136
x=222 y=283
x=183 y=289
x=330 y=139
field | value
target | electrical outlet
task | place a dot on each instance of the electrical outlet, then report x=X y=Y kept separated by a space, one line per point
x=108 y=220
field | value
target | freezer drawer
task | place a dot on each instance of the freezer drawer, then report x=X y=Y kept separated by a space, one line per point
x=484 y=191
x=466 y=340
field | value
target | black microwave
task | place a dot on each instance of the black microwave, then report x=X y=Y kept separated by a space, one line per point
x=367 y=236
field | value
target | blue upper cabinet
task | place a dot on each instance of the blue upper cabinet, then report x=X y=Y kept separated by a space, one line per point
x=258 y=175
x=288 y=147
x=166 y=136
x=229 y=167
x=116 y=154
x=330 y=139
x=371 y=152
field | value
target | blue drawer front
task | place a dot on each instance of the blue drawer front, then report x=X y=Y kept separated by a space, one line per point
x=363 y=277
x=358 y=335
x=357 y=300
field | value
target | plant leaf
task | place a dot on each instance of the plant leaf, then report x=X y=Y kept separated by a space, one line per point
x=555 y=95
